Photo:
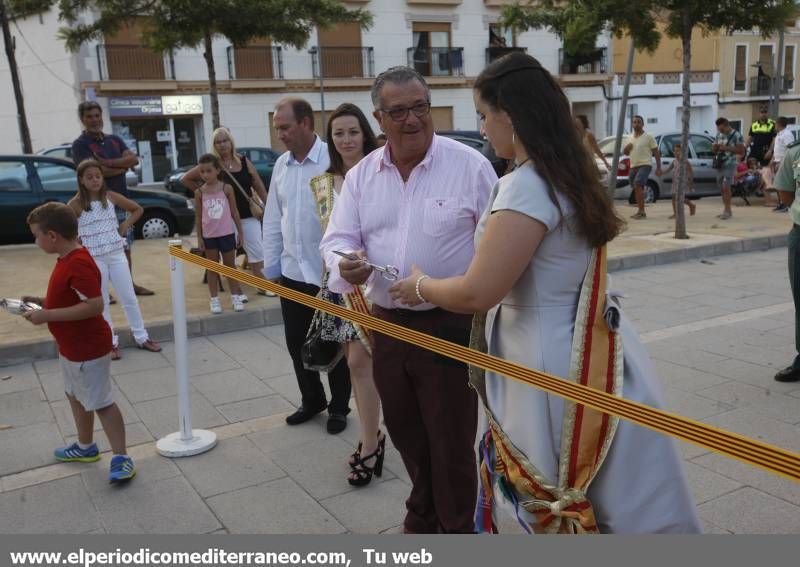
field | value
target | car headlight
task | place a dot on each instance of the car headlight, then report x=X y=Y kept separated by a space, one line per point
x=190 y=203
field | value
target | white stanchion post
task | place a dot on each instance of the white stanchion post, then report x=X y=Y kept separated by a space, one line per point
x=187 y=441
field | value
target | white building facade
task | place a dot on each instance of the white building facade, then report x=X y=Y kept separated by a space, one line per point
x=160 y=103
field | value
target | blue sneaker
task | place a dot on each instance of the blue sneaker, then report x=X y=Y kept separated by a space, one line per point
x=122 y=469
x=74 y=453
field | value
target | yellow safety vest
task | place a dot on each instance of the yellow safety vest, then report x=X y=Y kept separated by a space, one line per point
x=759 y=128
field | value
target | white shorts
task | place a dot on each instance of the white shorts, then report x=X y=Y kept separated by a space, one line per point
x=252 y=240
x=89 y=381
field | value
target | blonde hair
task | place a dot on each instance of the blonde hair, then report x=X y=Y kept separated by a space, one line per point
x=227 y=133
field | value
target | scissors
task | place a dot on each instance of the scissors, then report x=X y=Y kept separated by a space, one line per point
x=389 y=272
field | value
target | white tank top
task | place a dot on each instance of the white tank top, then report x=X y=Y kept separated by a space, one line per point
x=99 y=229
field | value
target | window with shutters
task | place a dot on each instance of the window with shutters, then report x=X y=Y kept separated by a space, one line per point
x=788 y=68
x=740 y=68
x=254 y=61
x=342 y=55
x=128 y=59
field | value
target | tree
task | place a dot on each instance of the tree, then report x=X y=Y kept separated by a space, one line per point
x=12 y=10
x=173 y=24
x=641 y=17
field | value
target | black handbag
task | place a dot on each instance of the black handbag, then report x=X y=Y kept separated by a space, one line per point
x=319 y=354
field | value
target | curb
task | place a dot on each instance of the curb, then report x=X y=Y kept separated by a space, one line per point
x=205 y=325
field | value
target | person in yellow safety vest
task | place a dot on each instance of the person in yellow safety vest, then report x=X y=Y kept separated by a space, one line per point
x=760 y=137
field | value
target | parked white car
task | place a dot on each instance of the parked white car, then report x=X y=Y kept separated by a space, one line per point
x=700 y=156
x=64 y=151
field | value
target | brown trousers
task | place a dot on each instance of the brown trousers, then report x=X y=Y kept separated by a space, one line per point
x=432 y=417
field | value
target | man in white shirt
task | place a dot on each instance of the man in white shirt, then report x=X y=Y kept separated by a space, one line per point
x=291 y=254
x=780 y=142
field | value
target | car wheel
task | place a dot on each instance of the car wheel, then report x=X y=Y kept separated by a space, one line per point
x=156 y=224
x=650 y=192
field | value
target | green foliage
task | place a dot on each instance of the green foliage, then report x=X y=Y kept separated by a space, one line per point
x=729 y=15
x=24 y=8
x=184 y=23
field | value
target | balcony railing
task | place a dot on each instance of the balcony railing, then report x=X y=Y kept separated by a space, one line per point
x=134 y=63
x=342 y=62
x=493 y=53
x=591 y=63
x=437 y=61
x=255 y=62
x=762 y=86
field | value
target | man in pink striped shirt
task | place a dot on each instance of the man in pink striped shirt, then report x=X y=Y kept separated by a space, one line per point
x=416 y=201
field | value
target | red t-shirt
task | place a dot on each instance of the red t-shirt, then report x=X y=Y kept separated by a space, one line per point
x=75 y=278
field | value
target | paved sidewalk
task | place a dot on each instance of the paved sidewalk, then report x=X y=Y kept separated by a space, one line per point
x=717 y=332
x=24 y=270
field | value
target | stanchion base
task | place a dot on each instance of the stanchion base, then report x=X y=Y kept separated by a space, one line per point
x=173 y=446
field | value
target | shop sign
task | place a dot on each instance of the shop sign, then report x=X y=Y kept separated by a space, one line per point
x=134 y=106
x=162 y=136
x=174 y=105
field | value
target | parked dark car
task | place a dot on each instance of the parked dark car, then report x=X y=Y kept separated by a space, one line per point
x=263 y=159
x=27 y=181
x=65 y=151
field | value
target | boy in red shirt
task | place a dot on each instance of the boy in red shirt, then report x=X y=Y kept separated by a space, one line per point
x=73 y=311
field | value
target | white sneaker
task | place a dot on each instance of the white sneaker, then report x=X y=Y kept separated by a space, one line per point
x=216 y=306
x=242 y=297
x=238 y=305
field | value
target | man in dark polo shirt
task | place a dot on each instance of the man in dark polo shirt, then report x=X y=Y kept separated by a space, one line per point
x=115 y=159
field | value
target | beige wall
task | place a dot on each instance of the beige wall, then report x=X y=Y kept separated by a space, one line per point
x=753 y=42
x=748 y=112
x=668 y=57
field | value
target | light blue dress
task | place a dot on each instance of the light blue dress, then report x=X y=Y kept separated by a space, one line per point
x=641 y=486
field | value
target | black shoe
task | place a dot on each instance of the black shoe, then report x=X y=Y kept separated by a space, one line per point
x=302 y=415
x=337 y=422
x=361 y=475
x=788 y=374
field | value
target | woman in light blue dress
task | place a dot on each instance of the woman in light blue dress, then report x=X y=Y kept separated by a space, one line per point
x=535 y=244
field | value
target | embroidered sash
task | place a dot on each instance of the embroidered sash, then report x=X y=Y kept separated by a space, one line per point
x=323 y=190
x=596 y=361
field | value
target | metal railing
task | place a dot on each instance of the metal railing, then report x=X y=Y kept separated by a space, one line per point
x=493 y=53
x=255 y=62
x=591 y=63
x=134 y=63
x=762 y=85
x=342 y=62
x=437 y=61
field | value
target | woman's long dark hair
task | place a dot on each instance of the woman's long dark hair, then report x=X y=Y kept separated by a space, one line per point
x=542 y=120
x=84 y=197
x=370 y=143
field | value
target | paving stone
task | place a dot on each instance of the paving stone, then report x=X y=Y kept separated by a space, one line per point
x=137 y=360
x=277 y=507
x=754 y=374
x=148 y=384
x=53 y=386
x=755 y=425
x=230 y=386
x=371 y=509
x=22 y=377
x=135 y=434
x=161 y=416
x=149 y=469
x=275 y=333
x=233 y=464
x=167 y=506
x=49 y=366
x=257 y=407
x=288 y=437
x=707 y=485
x=751 y=476
x=204 y=357
x=287 y=387
x=28 y=447
x=42 y=509
x=320 y=466
x=750 y=511
x=683 y=378
x=693 y=406
x=768 y=403
x=25 y=408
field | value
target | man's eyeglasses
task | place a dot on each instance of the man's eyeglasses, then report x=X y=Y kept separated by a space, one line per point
x=399 y=114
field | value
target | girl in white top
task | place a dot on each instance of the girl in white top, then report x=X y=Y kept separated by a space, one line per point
x=101 y=234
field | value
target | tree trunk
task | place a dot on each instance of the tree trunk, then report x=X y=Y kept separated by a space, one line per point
x=683 y=179
x=612 y=175
x=208 y=55
x=24 y=132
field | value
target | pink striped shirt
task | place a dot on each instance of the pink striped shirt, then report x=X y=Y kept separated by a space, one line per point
x=428 y=220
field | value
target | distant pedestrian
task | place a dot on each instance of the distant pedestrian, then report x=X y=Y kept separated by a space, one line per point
x=589 y=141
x=641 y=148
x=780 y=144
x=726 y=147
x=219 y=229
x=759 y=139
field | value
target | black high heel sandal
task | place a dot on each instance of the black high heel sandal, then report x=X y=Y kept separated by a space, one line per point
x=363 y=472
x=355 y=456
